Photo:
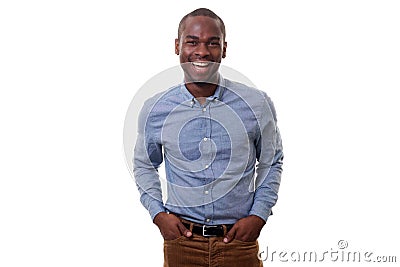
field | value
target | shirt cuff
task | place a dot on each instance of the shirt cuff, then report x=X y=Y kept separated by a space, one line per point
x=155 y=208
x=262 y=213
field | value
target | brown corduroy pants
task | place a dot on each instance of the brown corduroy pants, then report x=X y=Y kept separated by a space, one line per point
x=202 y=251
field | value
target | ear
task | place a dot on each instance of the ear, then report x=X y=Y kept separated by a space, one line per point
x=224 y=50
x=177 y=46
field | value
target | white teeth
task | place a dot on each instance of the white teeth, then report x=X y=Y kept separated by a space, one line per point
x=200 y=64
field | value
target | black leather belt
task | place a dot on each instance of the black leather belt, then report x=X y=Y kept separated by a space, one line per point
x=208 y=230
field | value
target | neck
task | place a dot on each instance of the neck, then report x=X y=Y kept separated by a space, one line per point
x=200 y=89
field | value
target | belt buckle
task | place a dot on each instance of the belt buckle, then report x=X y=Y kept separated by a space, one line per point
x=205 y=227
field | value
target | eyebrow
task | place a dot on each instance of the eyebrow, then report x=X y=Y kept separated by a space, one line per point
x=197 y=38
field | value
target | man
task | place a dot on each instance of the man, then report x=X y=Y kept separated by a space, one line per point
x=210 y=132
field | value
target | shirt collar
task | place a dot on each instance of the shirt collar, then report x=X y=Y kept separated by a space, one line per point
x=217 y=94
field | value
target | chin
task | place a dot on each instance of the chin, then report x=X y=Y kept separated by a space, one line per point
x=206 y=73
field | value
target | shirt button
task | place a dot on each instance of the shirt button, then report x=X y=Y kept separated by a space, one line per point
x=206 y=192
x=204 y=109
x=207 y=166
x=208 y=220
x=205 y=139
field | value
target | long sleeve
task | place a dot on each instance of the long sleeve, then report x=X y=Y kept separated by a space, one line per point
x=147 y=158
x=268 y=174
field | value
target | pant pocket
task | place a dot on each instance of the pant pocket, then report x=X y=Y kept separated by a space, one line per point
x=175 y=239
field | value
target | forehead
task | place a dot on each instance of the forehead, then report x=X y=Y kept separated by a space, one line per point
x=201 y=26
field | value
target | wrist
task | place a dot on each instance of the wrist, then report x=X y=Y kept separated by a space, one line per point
x=159 y=217
x=258 y=220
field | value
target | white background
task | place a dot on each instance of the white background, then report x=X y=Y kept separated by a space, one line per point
x=69 y=69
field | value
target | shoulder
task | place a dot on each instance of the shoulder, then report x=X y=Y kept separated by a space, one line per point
x=161 y=100
x=157 y=106
x=244 y=91
x=258 y=100
x=161 y=96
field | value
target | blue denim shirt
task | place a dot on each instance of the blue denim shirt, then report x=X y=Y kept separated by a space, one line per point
x=223 y=159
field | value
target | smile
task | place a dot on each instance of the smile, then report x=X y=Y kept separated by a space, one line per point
x=201 y=64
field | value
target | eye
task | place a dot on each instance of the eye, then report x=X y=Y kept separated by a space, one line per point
x=191 y=42
x=214 y=44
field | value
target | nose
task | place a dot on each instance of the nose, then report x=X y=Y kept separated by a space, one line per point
x=202 y=50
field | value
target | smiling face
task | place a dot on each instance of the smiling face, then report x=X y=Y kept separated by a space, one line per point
x=201 y=47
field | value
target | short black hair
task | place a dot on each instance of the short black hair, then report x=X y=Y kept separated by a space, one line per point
x=201 y=12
